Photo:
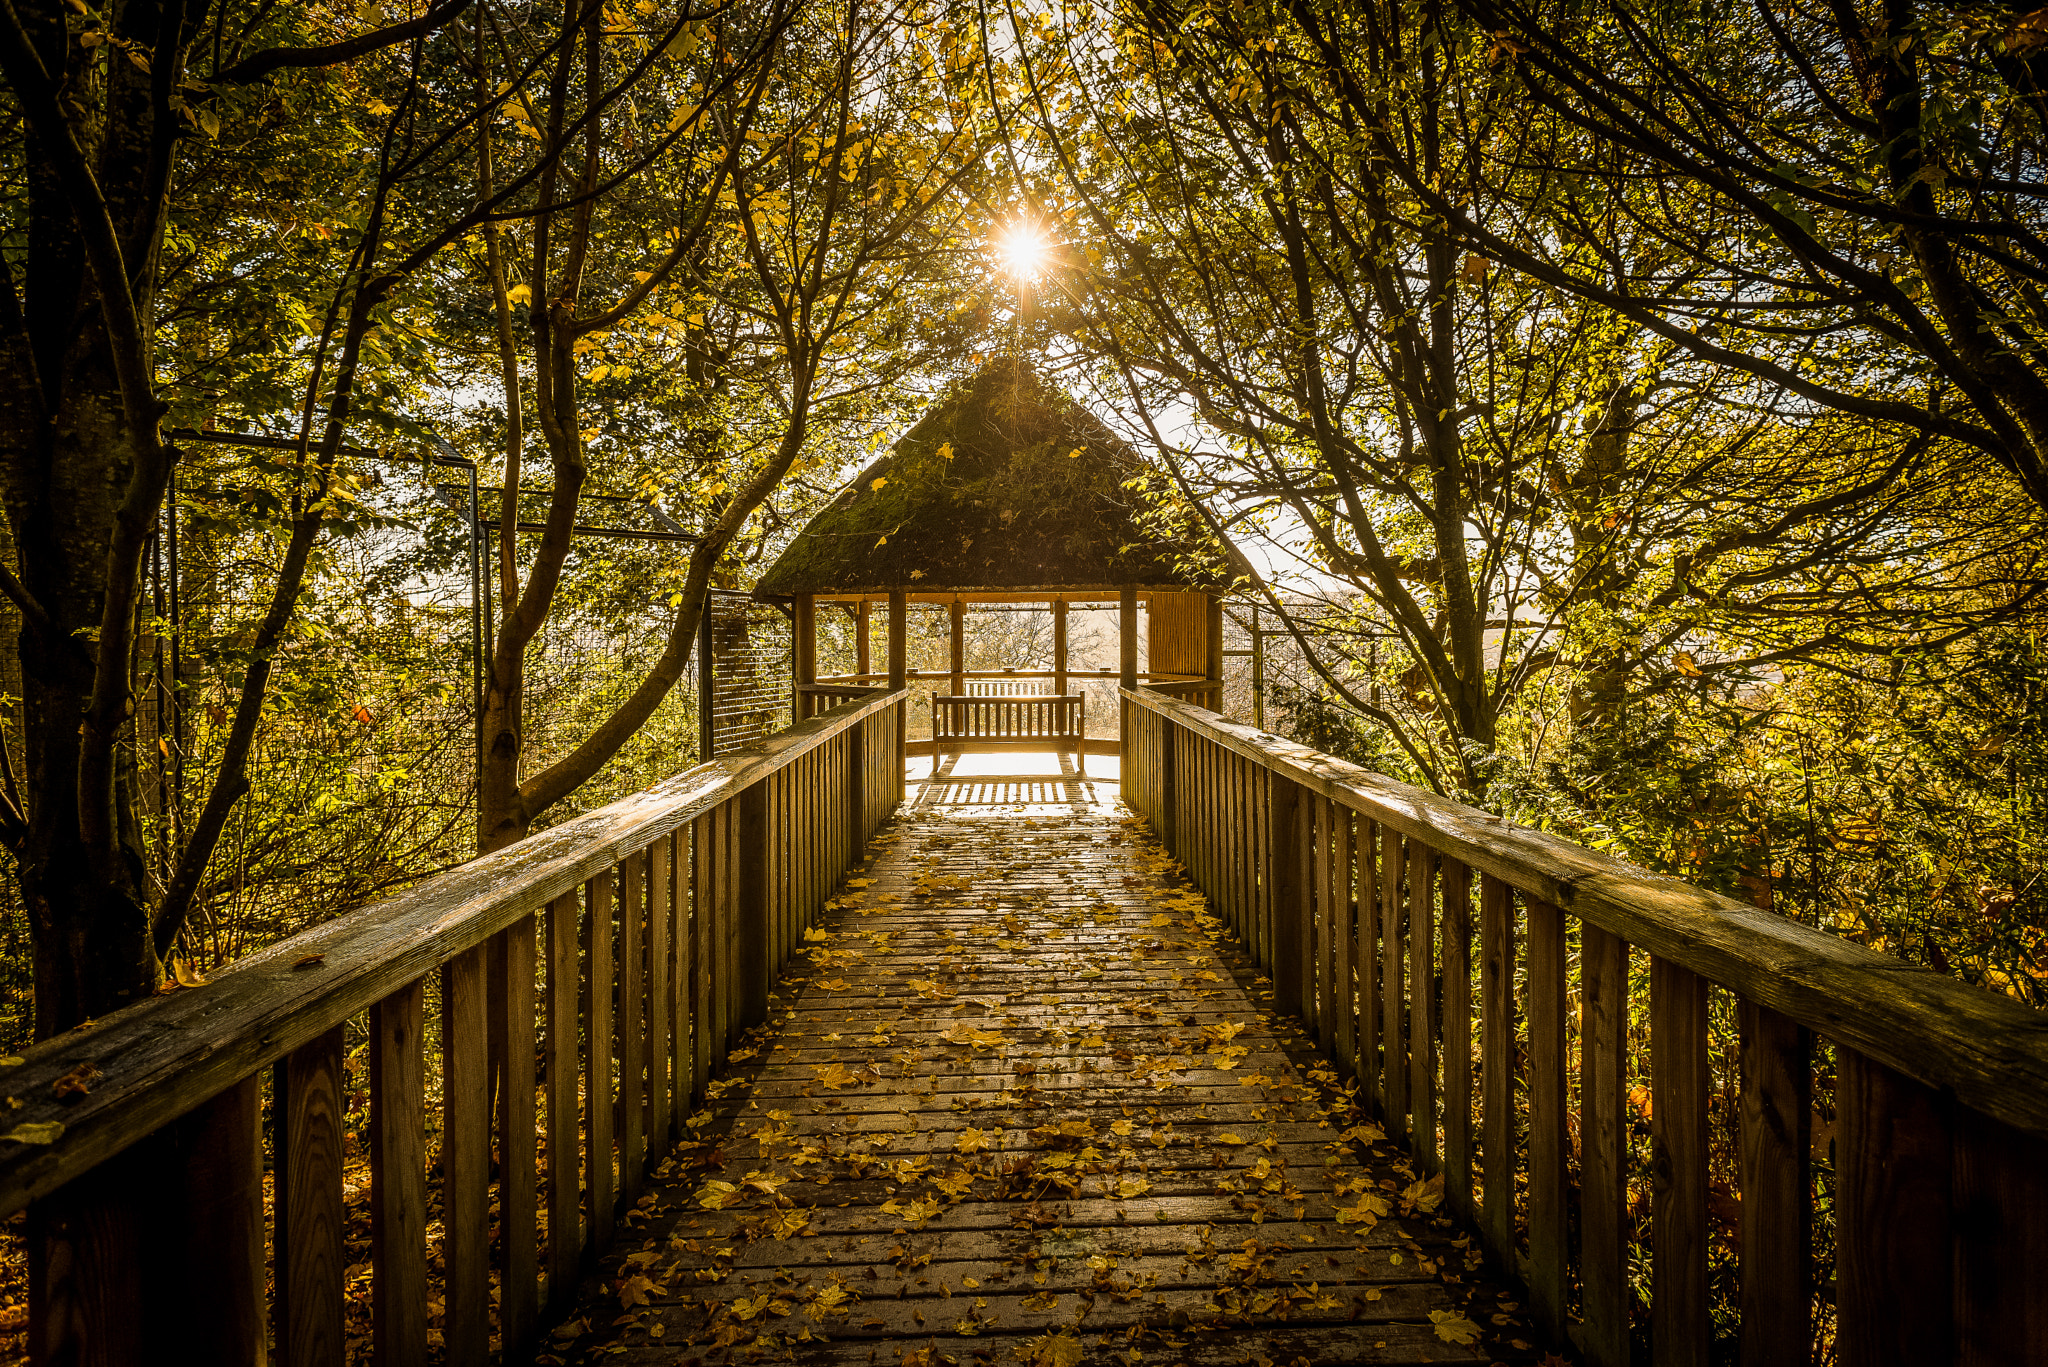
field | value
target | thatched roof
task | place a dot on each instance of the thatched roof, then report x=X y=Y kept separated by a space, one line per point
x=1006 y=485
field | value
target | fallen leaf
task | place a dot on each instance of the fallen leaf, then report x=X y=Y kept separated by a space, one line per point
x=75 y=1083
x=186 y=975
x=36 y=1132
x=308 y=961
x=1453 y=1327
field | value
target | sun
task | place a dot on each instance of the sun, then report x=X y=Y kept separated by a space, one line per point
x=1024 y=250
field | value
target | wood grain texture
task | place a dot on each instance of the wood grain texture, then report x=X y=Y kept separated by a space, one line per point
x=1394 y=979
x=1344 y=931
x=2000 y=1189
x=1457 y=1035
x=466 y=1158
x=631 y=1015
x=600 y=1182
x=1603 y=1178
x=1678 y=1165
x=1777 y=1195
x=398 y=1178
x=1289 y=961
x=163 y=1057
x=1548 y=1235
x=564 y=1189
x=1367 y=957
x=661 y=1005
x=518 y=1165
x=204 y=1294
x=1497 y=1059
x=309 y=1220
x=1894 y=1267
x=1422 y=1024
x=1990 y=1050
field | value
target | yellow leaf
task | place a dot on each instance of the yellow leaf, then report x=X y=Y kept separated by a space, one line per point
x=1367 y=1212
x=36 y=1132
x=946 y=451
x=1425 y=1195
x=1686 y=664
x=1453 y=1327
x=834 y=1075
x=638 y=1289
x=1228 y=1138
x=878 y=483
x=814 y=935
x=971 y=1141
x=1132 y=1186
x=186 y=975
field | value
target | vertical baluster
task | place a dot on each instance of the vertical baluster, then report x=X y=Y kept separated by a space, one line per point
x=466 y=1156
x=704 y=900
x=1777 y=1327
x=1456 y=881
x=1322 y=975
x=661 y=911
x=2000 y=1188
x=1393 y=985
x=517 y=1219
x=1603 y=1178
x=1678 y=1166
x=1422 y=1002
x=631 y=1023
x=1365 y=955
x=1548 y=1243
x=309 y=1218
x=1290 y=915
x=599 y=979
x=203 y=1284
x=565 y=1233
x=731 y=987
x=755 y=871
x=1497 y=1059
x=1894 y=1192
x=1345 y=936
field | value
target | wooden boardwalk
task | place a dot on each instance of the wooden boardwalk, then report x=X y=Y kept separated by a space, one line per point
x=1020 y=1107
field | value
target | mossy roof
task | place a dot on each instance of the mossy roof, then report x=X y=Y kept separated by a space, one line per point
x=1006 y=485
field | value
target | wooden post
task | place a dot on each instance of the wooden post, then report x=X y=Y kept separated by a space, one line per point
x=597 y=1060
x=1059 y=645
x=753 y=877
x=1679 y=1328
x=565 y=1234
x=1126 y=647
x=863 y=653
x=1777 y=1320
x=465 y=1157
x=1603 y=1176
x=805 y=650
x=310 y=1221
x=398 y=1177
x=1284 y=872
x=707 y=684
x=1894 y=1265
x=1212 y=662
x=957 y=619
x=899 y=674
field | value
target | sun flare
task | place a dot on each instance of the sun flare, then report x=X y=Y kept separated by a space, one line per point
x=1023 y=250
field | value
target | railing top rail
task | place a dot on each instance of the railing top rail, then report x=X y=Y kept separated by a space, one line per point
x=1989 y=1050
x=160 y=1058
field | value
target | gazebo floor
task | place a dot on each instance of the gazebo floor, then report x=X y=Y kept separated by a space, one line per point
x=1023 y=1107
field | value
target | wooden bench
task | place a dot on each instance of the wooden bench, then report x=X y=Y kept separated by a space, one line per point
x=1041 y=721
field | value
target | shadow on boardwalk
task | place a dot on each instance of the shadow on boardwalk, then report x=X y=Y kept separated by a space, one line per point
x=1021 y=1107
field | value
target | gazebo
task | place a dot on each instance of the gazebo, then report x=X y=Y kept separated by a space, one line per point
x=1008 y=491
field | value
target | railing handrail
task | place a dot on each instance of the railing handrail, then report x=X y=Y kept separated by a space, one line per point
x=1990 y=1051
x=164 y=1057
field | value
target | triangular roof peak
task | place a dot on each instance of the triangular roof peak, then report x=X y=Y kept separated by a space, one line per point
x=1007 y=485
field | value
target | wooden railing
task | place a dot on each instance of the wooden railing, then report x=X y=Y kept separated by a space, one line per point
x=584 y=983
x=1047 y=721
x=1356 y=894
x=814 y=698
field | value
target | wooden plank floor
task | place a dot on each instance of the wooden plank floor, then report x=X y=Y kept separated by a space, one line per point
x=1020 y=1108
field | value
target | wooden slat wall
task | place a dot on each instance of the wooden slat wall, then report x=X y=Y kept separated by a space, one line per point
x=1462 y=1024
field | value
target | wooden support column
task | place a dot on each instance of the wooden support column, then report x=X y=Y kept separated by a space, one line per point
x=899 y=673
x=1126 y=650
x=1212 y=661
x=1059 y=645
x=957 y=619
x=806 y=654
x=863 y=652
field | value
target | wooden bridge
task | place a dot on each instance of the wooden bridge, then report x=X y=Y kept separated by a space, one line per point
x=1275 y=1061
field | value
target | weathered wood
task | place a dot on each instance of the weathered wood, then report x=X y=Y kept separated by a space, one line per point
x=1126 y=637
x=1457 y=940
x=163 y=1057
x=2000 y=1189
x=1497 y=1058
x=631 y=1016
x=466 y=1157
x=1548 y=1242
x=1422 y=1138
x=565 y=1233
x=1393 y=979
x=398 y=1178
x=1990 y=1050
x=310 y=1222
x=1324 y=966
x=1777 y=1319
x=1894 y=1187
x=1366 y=956
x=204 y=1301
x=661 y=1024
x=956 y=621
x=1603 y=1178
x=599 y=979
x=1344 y=932
x=1289 y=964
x=518 y=1218
x=1678 y=1166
